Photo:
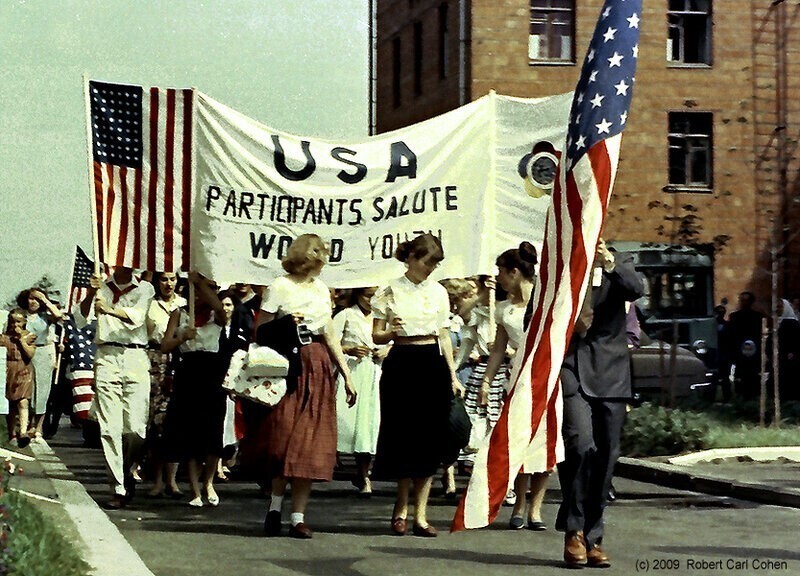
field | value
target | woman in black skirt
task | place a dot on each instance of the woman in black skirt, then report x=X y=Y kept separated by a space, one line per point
x=418 y=379
x=196 y=413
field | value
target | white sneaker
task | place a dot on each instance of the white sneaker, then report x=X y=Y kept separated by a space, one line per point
x=511 y=498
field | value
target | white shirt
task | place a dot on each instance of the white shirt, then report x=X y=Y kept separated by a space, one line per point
x=206 y=339
x=112 y=329
x=311 y=299
x=353 y=328
x=158 y=316
x=512 y=318
x=424 y=307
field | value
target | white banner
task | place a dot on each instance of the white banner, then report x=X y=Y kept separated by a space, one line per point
x=469 y=177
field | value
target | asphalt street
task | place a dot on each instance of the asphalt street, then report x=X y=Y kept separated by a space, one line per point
x=650 y=529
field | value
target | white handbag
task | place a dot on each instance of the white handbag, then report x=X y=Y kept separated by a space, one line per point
x=258 y=374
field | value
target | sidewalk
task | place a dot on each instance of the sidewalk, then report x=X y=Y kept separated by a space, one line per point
x=765 y=475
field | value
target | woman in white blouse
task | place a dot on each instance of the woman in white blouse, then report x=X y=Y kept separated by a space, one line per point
x=418 y=379
x=517 y=268
x=161 y=308
x=301 y=429
x=358 y=428
x=196 y=412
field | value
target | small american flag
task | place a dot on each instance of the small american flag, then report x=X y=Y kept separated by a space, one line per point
x=529 y=428
x=79 y=348
x=82 y=270
x=141 y=148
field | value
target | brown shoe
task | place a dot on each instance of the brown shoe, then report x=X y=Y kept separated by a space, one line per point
x=574 y=549
x=115 y=503
x=424 y=531
x=597 y=558
x=399 y=526
x=300 y=531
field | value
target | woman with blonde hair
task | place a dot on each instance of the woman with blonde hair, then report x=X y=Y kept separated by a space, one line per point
x=418 y=380
x=301 y=429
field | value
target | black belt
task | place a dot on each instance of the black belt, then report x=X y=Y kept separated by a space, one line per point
x=120 y=345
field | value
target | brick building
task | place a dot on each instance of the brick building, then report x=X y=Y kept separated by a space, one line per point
x=709 y=156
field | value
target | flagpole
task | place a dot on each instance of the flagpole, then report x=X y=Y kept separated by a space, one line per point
x=90 y=172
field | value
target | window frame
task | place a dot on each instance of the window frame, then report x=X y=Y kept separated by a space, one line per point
x=681 y=15
x=543 y=8
x=688 y=141
x=418 y=52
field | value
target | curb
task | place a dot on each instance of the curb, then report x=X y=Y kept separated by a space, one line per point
x=679 y=477
x=103 y=546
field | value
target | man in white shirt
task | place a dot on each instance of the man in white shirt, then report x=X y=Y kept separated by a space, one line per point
x=122 y=380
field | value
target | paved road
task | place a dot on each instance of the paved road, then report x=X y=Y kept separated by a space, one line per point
x=649 y=527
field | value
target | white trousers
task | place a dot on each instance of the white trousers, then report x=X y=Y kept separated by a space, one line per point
x=121 y=405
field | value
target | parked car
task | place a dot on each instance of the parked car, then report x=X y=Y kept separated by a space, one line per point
x=651 y=370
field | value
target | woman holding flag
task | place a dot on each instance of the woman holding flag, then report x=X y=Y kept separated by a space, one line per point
x=517 y=268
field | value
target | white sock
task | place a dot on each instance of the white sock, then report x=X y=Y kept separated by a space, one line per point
x=297 y=518
x=275 y=503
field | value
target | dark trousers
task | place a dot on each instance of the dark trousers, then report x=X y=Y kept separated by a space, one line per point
x=591 y=430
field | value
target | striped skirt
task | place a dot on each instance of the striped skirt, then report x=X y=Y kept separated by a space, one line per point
x=483 y=417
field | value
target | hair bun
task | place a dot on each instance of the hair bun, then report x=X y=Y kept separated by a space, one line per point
x=527 y=252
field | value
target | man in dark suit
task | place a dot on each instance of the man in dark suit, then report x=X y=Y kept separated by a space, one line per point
x=596 y=385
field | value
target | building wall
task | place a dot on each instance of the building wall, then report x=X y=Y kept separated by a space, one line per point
x=438 y=95
x=733 y=88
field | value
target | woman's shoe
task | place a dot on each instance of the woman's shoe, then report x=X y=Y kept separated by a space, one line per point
x=212 y=496
x=173 y=492
x=516 y=523
x=366 y=489
x=272 y=523
x=399 y=526
x=537 y=525
x=424 y=531
x=155 y=493
x=196 y=502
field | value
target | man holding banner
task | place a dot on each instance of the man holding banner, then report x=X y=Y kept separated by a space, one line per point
x=122 y=379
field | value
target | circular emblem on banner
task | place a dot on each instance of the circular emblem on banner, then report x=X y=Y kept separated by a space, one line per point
x=748 y=348
x=539 y=169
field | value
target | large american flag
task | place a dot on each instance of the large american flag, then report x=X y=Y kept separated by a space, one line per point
x=529 y=428
x=141 y=150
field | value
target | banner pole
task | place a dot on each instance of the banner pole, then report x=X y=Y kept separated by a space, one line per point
x=90 y=172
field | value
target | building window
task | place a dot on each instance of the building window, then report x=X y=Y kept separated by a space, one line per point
x=444 y=42
x=552 y=33
x=690 y=150
x=689 y=37
x=396 y=70
x=417 y=58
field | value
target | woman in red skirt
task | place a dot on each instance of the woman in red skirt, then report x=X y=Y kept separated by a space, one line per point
x=300 y=430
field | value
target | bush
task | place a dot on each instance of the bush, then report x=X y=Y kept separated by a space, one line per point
x=657 y=431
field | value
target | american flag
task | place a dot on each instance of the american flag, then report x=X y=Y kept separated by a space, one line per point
x=529 y=428
x=82 y=269
x=79 y=348
x=141 y=148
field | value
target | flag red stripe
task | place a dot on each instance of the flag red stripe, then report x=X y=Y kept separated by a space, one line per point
x=153 y=188
x=601 y=166
x=123 y=222
x=110 y=198
x=137 y=218
x=186 y=205
x=169 y=180
x=98 y=205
